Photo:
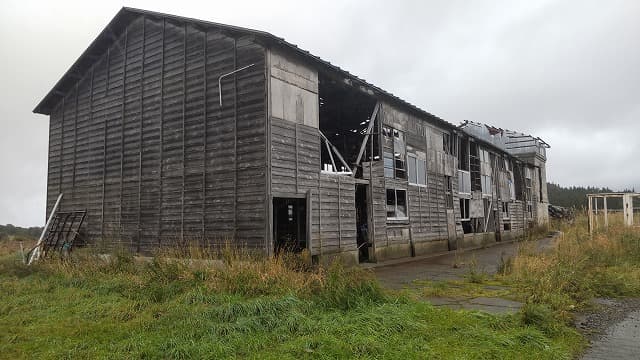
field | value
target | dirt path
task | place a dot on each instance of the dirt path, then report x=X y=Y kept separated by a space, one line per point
x=455 y=266
x=452 y=265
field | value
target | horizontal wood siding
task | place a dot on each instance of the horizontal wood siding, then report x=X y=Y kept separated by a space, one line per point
x=295 y=164
x=334 y=214
x=143 y=144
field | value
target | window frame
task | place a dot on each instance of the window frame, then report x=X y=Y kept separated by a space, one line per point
x=448 y=191
x=505 y=211
x=395 y=205
x=484 y=178
x=465 y=204
x=418 y=160
x=398 y=149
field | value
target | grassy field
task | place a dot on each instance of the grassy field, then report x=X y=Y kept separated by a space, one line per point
x=86 y=307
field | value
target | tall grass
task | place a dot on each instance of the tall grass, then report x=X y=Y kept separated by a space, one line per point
x=230 y=303
x=580 y=267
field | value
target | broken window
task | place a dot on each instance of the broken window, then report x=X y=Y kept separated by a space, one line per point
x=517 y=181
x=505 y=210
x=399 y=151
x=474 y=163
x=539 y=185
x=446 y=143
x=463 y=154
x=527 y=182
x=394 y=153
x=484 y=156
x=464 y=210
x=396 y=204
x=448 y=191
x=417 y=169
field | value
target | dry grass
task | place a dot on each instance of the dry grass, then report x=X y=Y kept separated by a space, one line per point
x=581 y=267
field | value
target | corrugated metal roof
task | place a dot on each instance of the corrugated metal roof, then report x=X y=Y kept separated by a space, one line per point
x=115 y=27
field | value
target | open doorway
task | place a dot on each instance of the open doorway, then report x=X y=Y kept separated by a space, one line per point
x=289 y=224
x=362 y=223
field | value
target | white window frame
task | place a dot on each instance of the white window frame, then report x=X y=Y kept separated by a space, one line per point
x=486 y=178
x=410 y=157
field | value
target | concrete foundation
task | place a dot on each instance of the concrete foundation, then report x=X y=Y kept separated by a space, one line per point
x=392 y=252
x=431 y=247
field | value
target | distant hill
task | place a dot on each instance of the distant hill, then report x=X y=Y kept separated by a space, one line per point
x=576 y=196
x=9 y=230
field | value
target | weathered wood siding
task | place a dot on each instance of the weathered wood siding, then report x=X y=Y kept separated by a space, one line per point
x=143 y=144
x=295 y=157
x=334 y=215
x=295 y=170
x=427 y=203
x=296 y=160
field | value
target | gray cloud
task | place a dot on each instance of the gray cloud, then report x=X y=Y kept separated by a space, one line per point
x=563 y=70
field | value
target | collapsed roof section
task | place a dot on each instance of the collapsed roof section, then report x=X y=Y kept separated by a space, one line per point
x=116 y=27
x=513 y=142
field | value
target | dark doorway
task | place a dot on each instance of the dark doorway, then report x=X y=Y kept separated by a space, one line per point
x=362 y=223
x=289 y=224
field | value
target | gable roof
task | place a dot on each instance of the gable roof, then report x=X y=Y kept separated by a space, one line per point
x=117 y=25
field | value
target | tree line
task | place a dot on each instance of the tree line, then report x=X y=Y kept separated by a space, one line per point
x=9 y=230
x=576 y=196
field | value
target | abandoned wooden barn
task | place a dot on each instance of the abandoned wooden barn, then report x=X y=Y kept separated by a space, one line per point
x=169 y=130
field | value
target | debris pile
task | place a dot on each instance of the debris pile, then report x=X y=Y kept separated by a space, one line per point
x=559 y=212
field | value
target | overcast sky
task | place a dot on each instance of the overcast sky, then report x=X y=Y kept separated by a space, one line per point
x=567 y=71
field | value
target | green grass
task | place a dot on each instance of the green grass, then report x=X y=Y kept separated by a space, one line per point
x=554 y=285
x=582 y=267
x=263 y=308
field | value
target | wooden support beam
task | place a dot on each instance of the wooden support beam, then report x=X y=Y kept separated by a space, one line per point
x=335 y=150
x=372 y=121
x=160 y=172
x=606 y=215
x=326 y=143
x=75 y=147
x=204 y=143
x=595 y=206
x=140 y=138
x=590 y=209
x=235 y=136
x=124 y=102
x=184 y=109
x=61 y=148
x=627 y=205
